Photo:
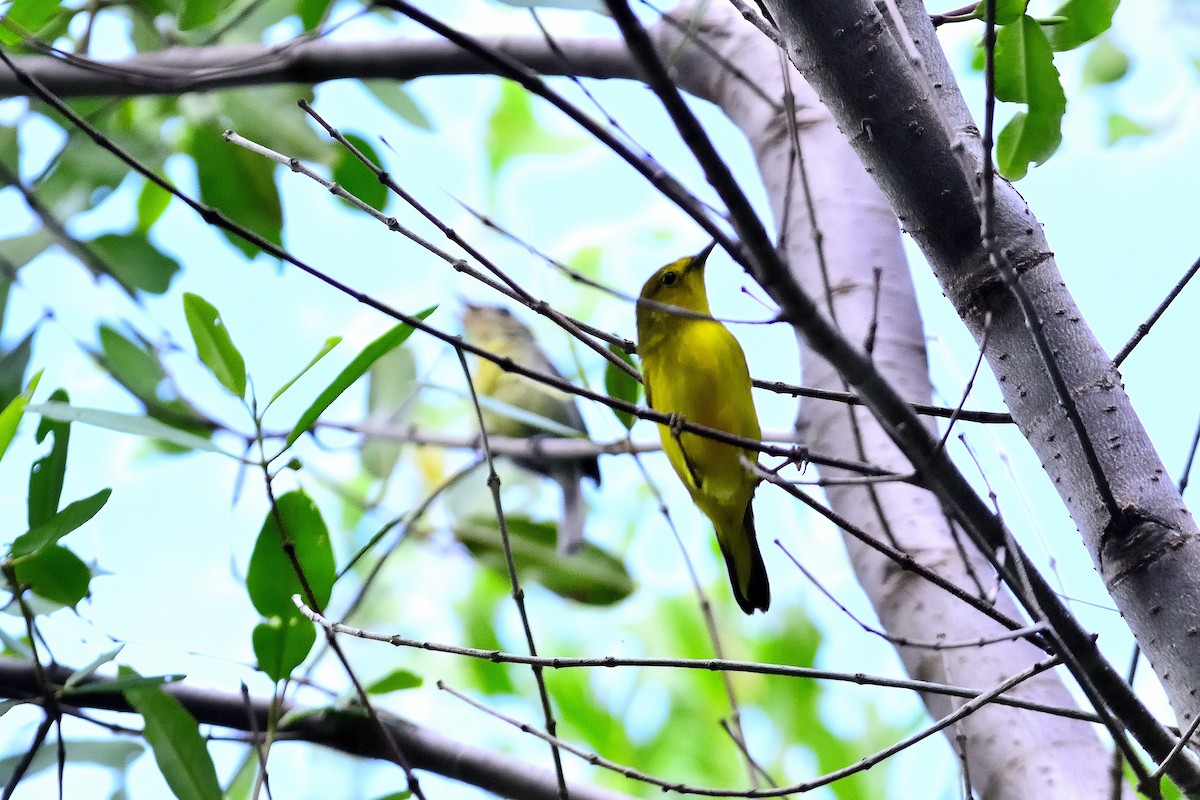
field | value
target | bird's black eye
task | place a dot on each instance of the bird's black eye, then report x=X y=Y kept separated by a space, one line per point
x=669 y=278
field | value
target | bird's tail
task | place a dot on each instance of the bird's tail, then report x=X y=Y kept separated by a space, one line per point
x=747 y=572
x=570 y=525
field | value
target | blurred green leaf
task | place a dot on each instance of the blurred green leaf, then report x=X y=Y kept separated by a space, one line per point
x=239 y=183
x=271 y=578
x=89 y=669
x=54 y=573
x=123 y=683
x=10 y=417
x=214 y=344
x=353 y=371
x=151 y=204
x=355 y=178
x=47 y=473
x=395 y=681
x=513 y=131
x=135 y=263
x=288 y=130
x=591 y=576
x=312 y=12
x=1082 y=21
x=1105 y=63
x=64 y=522
x=394 y=97
x=282 y=643
x=113 y=754
x=200 y=12
x=620 y=385
x=174 y=736
x=136 y=366
x=17 y=251
x=13 y=365
x=135 y=424
x=26 y=16
x=1121 y=127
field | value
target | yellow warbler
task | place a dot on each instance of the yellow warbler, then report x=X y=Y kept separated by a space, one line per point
x=496 y=330
x=694 y=368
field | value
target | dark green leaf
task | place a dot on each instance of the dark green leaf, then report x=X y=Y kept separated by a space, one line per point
x=355 y=370
x=621 y=386
x=355 y=178
x=200 y=12
x=26 y=17
x=281 y=645
x=395 y=98
x=46 y=474
x=214 y=344
x=395 y=681
x=173 y=735
x=312 y=12
x=135 y=263
x=13 y=365
x=10 y=417
x=271 y=577
x=69 y=519
x=239 y=183
x=56 y=574
x=10 y=149
x=1082 y=20
x=591 y=576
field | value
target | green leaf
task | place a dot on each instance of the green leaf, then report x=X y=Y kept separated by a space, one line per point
x=200 y=12
x=395 y=681
x=1123 y=127
x=1082 y=21
x=239 y=183
x=1025 y=71
x=1007 y=11
x=214 y=344
x=137 y=368
x=355 y=370
x=88 y=670
x=174 y=736
x=312 y=12
x=399 y=101
x=54 y=573
x=355 y=178
x=128 y=423
x=13 y=365
x=123 y=683
x=1105 y=63
x=47 y=473
x=17 y=251
x=26 y=17
x=514 y=131
x=152 y=203
x=108 y=753
x=282 y=644
x=621 y=386
x=1027 y=138
x=135 y=263
x=271 y=577
x=330 y=343
x=591 y=576
x=10 y=417
x=69 y=519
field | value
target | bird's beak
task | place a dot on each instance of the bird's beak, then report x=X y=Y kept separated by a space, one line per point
x=699 y=259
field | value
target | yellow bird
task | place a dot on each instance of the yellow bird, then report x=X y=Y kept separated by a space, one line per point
x=694 y=368
x=494 y=329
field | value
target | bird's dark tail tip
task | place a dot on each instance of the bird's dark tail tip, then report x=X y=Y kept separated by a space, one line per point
x=757 y=595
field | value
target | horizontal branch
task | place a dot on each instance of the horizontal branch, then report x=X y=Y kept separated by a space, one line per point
x=308 y=61
x=347 y=732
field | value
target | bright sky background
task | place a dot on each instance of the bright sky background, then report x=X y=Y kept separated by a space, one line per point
x=1121 y=220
